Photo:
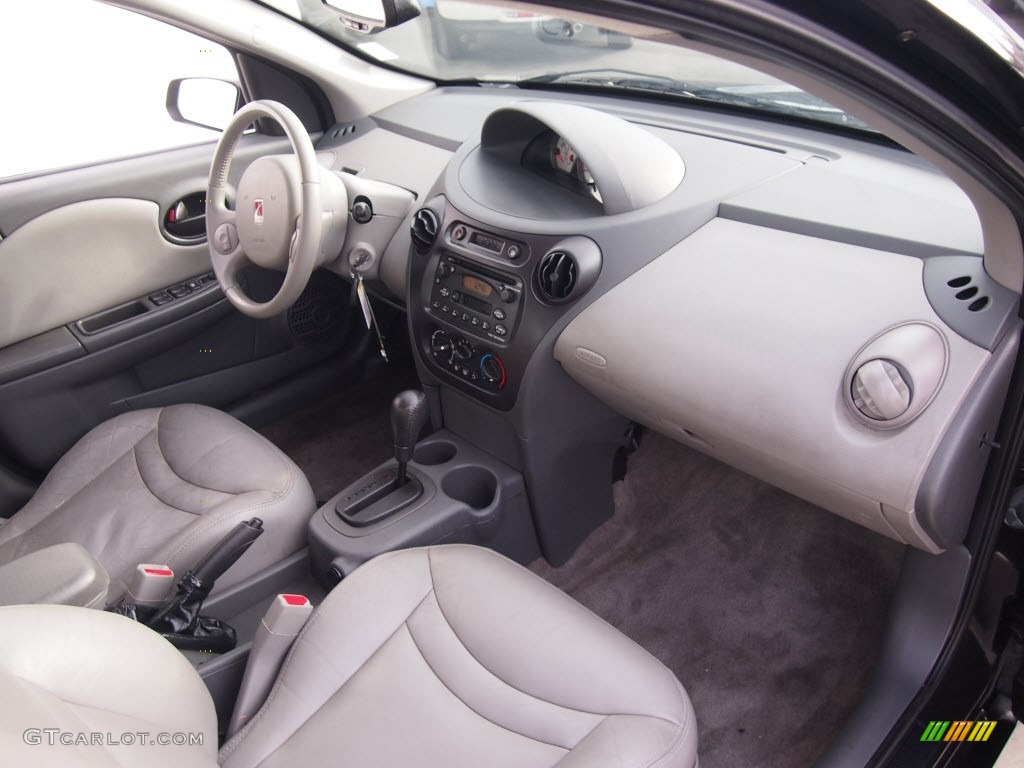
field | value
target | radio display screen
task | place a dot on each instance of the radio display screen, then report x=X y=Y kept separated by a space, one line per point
x=477 y=286
x=475 y=304
x=490 y=243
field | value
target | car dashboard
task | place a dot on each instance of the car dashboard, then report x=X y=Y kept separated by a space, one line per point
x=806 y=306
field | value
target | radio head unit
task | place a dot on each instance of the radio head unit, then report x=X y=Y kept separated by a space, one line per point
x=477 y=299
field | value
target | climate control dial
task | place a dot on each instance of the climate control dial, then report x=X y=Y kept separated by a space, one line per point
x=492 y=370
x=463 y=350
x=441 y=346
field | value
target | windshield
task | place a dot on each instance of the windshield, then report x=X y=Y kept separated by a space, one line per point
x=489 y=43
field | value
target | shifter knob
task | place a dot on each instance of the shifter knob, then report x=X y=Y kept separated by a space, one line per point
x=408 y=415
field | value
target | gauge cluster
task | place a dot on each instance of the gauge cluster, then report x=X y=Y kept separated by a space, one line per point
x=554 y=158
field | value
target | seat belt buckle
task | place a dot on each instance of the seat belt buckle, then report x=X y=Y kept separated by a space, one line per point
x=151 y=584
x=280 y=625
x=287 y=614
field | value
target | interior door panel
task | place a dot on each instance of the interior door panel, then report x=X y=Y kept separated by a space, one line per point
x=85 y=257
x=101 y=311
x=162 y=177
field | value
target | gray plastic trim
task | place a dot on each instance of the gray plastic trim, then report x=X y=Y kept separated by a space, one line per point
x=631 y=166
x=953 y=302
x=153 y=318
x=920 y=619
x=447 y=512
x=522 y=192
x=426 y=137
x=946 y=495
x=38 y=353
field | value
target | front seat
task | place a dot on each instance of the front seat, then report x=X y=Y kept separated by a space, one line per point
x=448 y=656
x=163 y=485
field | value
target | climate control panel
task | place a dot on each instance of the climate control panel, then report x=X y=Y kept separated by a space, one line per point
x=478 y=366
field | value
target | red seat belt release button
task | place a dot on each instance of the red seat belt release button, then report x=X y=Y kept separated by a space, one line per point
x=287 y=614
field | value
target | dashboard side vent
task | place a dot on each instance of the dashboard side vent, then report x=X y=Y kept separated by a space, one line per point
x=964 y=291
x=340 y=130
x=968 y=300
x=424 y=230
x=556 y=276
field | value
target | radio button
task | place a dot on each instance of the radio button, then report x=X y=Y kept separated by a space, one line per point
x=446 y=291
x=459 y=233
x=513 y=252
x=499 y=314
x=501 y=330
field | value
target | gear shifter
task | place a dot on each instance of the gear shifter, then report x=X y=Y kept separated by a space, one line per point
x=391 y=489
x=408 y=415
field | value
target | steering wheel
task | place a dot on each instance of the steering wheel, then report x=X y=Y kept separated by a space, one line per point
x=290 y=212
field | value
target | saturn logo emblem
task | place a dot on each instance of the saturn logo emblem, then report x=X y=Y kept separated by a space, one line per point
x=257 y=210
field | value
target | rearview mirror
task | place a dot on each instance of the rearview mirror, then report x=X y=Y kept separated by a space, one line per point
x=203 y=101
x=370 y=16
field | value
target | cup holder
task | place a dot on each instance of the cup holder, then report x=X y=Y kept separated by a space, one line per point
x=438 y=452
x=472 y=485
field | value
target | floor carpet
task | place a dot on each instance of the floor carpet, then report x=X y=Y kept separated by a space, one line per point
x=338 y=440
x=768 y=609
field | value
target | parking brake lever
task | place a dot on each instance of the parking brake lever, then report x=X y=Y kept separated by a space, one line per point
x=179 y=620
x=227 y=551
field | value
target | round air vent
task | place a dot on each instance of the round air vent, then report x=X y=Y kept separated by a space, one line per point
x=880 y=390
x=556 y=276
x=424 y=230
x=895 y=376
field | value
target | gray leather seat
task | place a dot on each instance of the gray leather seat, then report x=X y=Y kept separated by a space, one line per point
x=163 y=486
x=445 y=656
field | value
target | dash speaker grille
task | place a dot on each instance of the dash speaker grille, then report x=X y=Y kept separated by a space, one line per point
x=320 y=312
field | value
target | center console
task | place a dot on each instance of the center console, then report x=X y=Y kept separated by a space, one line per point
x=468 y=497
x=482 y=298
x=480 y=301
x=442 y=490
